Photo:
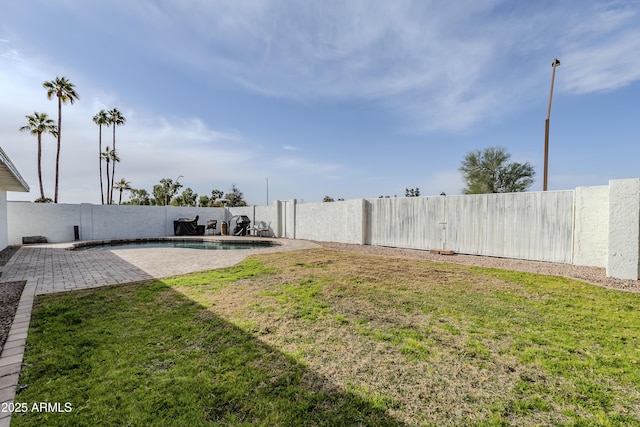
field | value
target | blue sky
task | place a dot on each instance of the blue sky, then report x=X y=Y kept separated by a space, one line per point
x=345 y=98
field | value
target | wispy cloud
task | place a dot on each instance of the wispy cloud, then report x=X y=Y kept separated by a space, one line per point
x=439 y=67
x=602 y=52
x=443 y=66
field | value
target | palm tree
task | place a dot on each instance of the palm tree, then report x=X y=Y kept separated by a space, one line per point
x=101 y=119
x=39 y=123
x=115 y=118
x=64 y=90
x=122 y=185
x=110 y=156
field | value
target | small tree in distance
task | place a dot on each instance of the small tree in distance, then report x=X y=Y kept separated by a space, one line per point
x=139 y=196
x=211 y=201
x=187 y=198
x=164 y=192
x=412 y=192
x=235 y=197
x=489 y=171
x=121 y=186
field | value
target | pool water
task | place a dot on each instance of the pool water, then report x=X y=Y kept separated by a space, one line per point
x=206 y=245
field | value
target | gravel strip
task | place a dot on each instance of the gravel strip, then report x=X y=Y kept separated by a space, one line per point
x=594 y=275
x=10 y=293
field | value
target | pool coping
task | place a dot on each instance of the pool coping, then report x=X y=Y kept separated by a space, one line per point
x=196 y=239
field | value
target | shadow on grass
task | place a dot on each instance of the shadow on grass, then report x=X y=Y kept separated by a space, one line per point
x=145 y=354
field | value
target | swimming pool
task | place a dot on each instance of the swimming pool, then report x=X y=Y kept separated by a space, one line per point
x=173 y=243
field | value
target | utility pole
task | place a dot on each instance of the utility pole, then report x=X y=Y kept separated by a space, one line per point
x=554 y=64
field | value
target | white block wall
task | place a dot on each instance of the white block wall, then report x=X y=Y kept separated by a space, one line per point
x=534 y=226
x=54 y=221
x=591 y=234
x=592 y=226
x=623 y=255
x=407 y=222
x=341 y=222
x=286 y=218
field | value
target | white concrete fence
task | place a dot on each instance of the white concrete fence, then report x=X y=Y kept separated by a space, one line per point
x=590 y=226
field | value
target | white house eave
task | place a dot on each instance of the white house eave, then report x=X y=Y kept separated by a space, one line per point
x=10 y=178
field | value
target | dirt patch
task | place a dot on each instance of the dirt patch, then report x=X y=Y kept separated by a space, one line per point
x=10 y=293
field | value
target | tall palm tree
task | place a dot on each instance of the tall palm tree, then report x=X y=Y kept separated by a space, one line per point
x=101 y=119
x=64 y=90
x=38 y=124
x=110 y=156
x=122 y=185
x=116 y=119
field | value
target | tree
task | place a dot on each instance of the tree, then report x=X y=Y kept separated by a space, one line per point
x=138 y=197
x=203 y=201
x=122 y=185
x=412 y=192
x=213 y=200
x=216 y=195
x=489 y=171
x=110 y=156
x=164 y=192
x=327 y=199
x=38 y=124
x=64 y=90
x=235 y=198
x=101 y=119
x=115 y=118
x=187 y=198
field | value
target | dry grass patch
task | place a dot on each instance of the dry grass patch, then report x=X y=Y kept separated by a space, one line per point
x=429 y=343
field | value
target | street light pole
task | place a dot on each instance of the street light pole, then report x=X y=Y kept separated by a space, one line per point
x=554 y=64
x=166 y=193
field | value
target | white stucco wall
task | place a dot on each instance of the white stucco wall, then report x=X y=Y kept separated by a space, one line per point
x=591 y=226
x=267 y=214
x=287 y=218
x=623 y=258
x=96 y=222
x=54 y=221
x=533 y=225
x=406 y=222
x=4 y=232
x=341 y=222
x=257 y=214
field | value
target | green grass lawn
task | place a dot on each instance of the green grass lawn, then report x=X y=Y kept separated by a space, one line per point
x=332 y=338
